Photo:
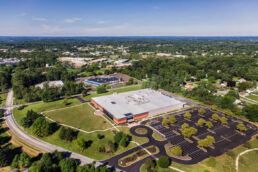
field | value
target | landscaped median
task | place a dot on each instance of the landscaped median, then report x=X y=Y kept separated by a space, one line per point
x=138 y=155
x=176 y=152
x=98 y=140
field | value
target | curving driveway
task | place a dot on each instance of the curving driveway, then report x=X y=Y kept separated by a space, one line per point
x=30 y=140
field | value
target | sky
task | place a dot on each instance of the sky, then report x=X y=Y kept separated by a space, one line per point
x=129 y=17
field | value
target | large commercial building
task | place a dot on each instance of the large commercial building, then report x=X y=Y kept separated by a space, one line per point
x=135 y=105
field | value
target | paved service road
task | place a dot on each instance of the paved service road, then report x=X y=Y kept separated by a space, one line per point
x=44 y=146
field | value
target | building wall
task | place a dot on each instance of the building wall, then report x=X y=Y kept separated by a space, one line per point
x=120 y=121
x=96 y=105
x=140 y=116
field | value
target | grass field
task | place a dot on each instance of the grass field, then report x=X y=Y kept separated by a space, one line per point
x=253 y=97
x=81 y=116
x=223 y=163
x=115 y=90
x=42 y=106
x=3 y=98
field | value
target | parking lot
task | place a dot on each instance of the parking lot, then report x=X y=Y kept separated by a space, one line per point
x=226 y=136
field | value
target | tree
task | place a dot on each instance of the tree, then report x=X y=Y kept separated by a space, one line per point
x=206 y=142
x=188 y=131
x=68 y=165
x=165 y=122
x=215 y=117
x=67 y=134
x=31 y=116
x=21 y=161
x=41 y=127
x=172 y=119
x=81 y=143
x=201 y=111
x=209 y=124
x=149 y=165
x=44 y=164
x=102 y=89
x=201 y=122
x=163 y=162
x=224 y=120
x=3 y=157
x=122 y=139
x=176 y=150
x=251 y=112
x=241 y=127
x=187 y=115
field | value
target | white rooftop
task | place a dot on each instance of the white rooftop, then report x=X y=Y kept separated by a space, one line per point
x=135 y=102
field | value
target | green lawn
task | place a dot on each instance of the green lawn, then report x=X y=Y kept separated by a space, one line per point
x=42 y=106
x=2 y=99
x=115 y=90
x=80 y=117
x=93 y=150
x=253 y=97
x=223 y=163
x=86 y=120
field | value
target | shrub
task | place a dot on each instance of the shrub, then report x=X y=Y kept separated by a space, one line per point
x=163 y=162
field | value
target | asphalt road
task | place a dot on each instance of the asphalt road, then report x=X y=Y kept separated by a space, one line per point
x=25 y=137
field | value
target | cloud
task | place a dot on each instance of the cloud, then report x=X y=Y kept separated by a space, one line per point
x=40 y=19
x=72 y=20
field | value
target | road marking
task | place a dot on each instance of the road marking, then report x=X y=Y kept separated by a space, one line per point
x=138 y=144
x=240 y=154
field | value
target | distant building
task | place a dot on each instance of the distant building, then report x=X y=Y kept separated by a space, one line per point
x=52 y=84
x=135 y=105
x=25 y=51
x=75 y=61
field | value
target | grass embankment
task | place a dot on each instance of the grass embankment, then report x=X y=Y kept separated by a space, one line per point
x=81 y=115
x=2 y=99
x=253 y=97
